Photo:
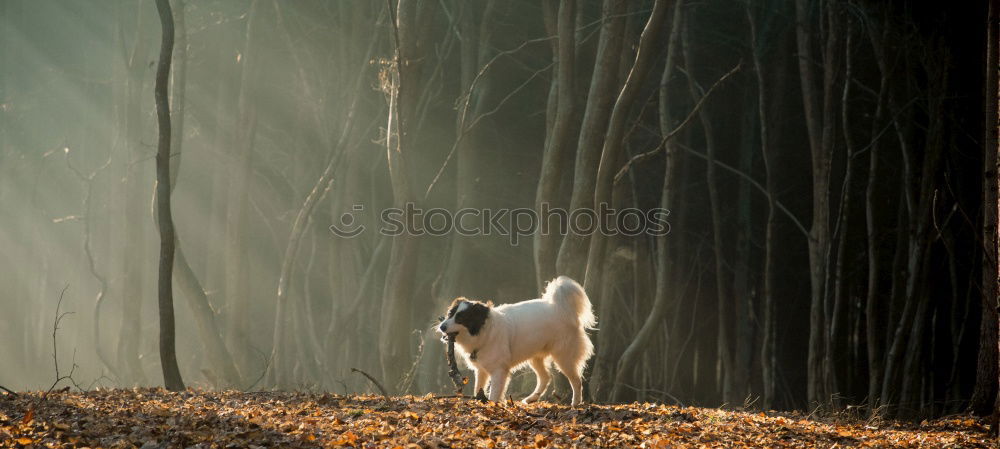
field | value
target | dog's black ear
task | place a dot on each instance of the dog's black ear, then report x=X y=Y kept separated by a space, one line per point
x=474 y=317
x=454 y=306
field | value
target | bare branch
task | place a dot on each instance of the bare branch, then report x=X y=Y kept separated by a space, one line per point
x=372 y=379
x=694 y=111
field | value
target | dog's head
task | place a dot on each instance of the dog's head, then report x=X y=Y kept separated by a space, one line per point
x=465 y=315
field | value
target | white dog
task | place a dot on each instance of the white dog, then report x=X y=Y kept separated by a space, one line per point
x=497 y=340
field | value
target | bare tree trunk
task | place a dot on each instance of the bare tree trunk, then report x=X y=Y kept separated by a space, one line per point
x=769 y=148
x=937 y=91
x=281 y=358
x=476 y=84
x=874 y=307
x=223 y=367
x=402 y=89
x=992 y=127
x=546 y=244
x=600 y=100
x=836 y=312
x=168 y=356
x=986 y=389
x=726 y=302
x=919 y=202
x=130 y=333
x=611 y=156
x=613 y=142
x=664 y=267
x=240 y=152
x=820 y=121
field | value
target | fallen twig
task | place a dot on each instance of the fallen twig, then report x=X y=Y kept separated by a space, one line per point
x=372 y=379
x=9 y=391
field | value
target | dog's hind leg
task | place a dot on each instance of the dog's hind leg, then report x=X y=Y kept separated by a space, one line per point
x=574 y=375
x=542 y=378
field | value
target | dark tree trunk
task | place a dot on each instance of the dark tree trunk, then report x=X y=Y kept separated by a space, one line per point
x=664 y=259
x=168 y=356
x=600 y=99
x=986 y=390
x=768 y=73
x=546 y=242
x=726 y=304
x=611 y=157
x=819 y=107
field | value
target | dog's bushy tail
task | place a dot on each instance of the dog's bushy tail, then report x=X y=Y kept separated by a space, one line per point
x=566 y=292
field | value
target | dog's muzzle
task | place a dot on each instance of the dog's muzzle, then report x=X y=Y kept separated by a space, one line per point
x=445 y=335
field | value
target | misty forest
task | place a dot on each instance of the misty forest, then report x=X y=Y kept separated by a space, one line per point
x=176 y=177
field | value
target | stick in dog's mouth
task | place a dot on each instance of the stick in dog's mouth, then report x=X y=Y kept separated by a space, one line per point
x=453 y=372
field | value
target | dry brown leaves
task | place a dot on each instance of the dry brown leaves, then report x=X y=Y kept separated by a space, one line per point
x=154 y=418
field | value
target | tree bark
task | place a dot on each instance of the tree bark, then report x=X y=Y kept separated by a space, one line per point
x=986 y=390
x=874 y=307
x=136 y=210
x=820 y=122
x=664 y=267
x=769 y=148
x=239 y=160
x=572 y=256
x=168 y=356
x=726 y=303
x=611 y=157
x=613 y=142
x=546 y=244
x=394 y=338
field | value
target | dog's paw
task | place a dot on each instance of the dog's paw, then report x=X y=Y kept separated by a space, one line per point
x=532 y=398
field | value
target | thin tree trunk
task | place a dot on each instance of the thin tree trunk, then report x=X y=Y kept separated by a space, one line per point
x=874 y=308
x=911 y=324
x=992 y=127
x=820 y=120
x=725 y=301
x=546 y=244
x=168 y=356
x=136 y=209
x=612 y=151
x=614 y=140
x=768 y=152
x=279 y=357
x=664 y=267
x=986 y=389
x=476 y=50
x=394 y=338
x=600 y=100
x=835 y=314
x=235 y=253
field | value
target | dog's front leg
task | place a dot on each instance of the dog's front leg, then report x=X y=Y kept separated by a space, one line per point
x=481 y=377
x=498 y=384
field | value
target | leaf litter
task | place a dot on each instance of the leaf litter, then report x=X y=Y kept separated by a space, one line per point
x=148 y=418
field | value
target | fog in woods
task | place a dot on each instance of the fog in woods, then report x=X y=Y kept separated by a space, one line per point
x=794 y=192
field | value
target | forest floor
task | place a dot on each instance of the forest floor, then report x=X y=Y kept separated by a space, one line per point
x=154 y=418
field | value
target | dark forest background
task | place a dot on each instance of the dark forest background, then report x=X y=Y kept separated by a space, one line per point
x=824 y=162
